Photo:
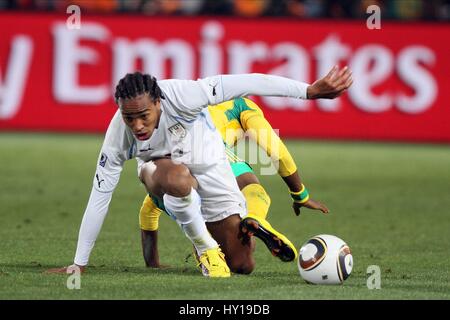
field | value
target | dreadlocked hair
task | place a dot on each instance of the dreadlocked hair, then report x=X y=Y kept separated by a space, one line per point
x=134 y=84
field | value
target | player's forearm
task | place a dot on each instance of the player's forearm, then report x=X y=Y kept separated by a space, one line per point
x=293 y=182
x=150 y=248
x=286 y=165
x=91 y=224
x=278 y=151
x=260 y=130
x=235 y=86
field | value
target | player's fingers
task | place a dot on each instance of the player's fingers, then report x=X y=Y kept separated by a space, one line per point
x=296 y=209
x=349 y=83
x=324 y=208
x=343 y=71
x=339 y=74
x=340 y=89
x=347 y=75
x=345 y=84
x=56 y=270
x=332 y=73
x=343 y=76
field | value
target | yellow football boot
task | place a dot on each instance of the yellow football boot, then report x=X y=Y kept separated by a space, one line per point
x=278 y=244
x=212 y=263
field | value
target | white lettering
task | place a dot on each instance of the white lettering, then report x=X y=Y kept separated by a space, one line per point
x=13 y=85
x=372 y=65
x=365 y=78
x=418 y=78
x=211 y=57
x=68 y=56
x=296 y=67
x=153 y=56
x=242 y=55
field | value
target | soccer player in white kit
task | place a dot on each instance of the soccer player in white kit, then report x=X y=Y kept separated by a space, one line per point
x=182 y=161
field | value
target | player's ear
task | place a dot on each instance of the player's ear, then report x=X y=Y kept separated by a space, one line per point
x=156 y=104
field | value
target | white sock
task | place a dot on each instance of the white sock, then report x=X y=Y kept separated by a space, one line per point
x=188 y=214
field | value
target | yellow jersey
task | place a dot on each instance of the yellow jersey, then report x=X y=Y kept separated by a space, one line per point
x=236 y=117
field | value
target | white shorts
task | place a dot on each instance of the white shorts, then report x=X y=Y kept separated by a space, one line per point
x=218 y=191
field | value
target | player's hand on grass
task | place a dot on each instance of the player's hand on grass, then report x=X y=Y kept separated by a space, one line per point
x=311 y=204
x=65 y=270
x=332 y=85
x=154 y=264
x=159 y=266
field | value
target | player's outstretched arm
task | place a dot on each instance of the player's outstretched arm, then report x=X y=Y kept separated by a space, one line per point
x=106 y=177
x=227 y=87
x=301 y=196
x=192 y=96
x=91 y=224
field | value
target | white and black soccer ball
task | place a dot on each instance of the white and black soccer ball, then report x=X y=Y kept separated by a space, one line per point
x=325 y=259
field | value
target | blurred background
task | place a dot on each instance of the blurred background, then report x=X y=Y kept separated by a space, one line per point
x=308 y=9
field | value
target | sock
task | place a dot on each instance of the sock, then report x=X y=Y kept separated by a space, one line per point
x=258 y=201
x=149 y=215
x=187 y=212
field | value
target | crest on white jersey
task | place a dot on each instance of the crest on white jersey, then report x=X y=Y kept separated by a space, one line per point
x=103 y=159
x=178 y=130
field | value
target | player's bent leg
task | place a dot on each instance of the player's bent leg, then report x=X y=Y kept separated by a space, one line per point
x=278 y=244
x=255 y=223
x=175 y=184
x=246 y=179
x=257 y=199
x=211 y=262
x=163 y=176
x=238 y=253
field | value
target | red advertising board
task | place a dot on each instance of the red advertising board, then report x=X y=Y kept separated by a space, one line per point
x=56 y=78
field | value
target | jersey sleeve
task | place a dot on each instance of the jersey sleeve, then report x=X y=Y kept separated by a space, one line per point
x=106 y=177
x=183 y=98
x=227 y=87
x=259 y=129
x=188 y=97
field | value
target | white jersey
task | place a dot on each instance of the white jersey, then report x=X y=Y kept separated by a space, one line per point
x=185 y=132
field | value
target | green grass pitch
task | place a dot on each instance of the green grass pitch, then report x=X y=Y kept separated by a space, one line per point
x=389 y=202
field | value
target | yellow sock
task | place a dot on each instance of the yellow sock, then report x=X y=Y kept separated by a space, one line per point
x=149 y=215
x=258 y=201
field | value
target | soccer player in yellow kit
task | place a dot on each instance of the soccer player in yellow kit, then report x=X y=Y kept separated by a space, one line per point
x=233 y=119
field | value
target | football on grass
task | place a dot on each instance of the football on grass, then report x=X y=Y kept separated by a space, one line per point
x=325 y=259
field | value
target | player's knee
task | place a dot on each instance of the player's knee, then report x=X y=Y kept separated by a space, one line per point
x=178 y=181
x=242 y=266
x=146 y=172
